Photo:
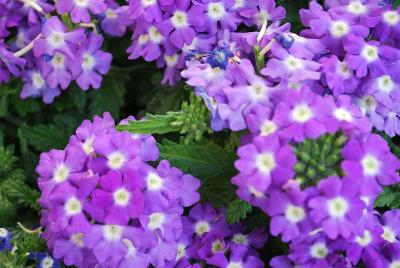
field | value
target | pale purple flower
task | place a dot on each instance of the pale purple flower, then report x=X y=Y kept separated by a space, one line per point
x=58 y=71
x=80 y=10
x=115 y=21
x=391 y=228
x=238 y=258
x=263 y=12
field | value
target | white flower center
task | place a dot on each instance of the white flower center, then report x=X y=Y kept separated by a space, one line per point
x=56 y=40
x=87 y=146
x=257 y=92
x=147 y=3
x=240 y=239
x=343 y=70
x=157 y=220
x=112 y=232
x=171 y=60
x=371 y=165
x=77 y=240
x=293 y=63
x=364 y=240
x=37 y=80
x=239 y=4
x=3 y=232
x=60 y=173
x=181 y=251
x=82 y=3
x=235 y=265
x=388 y=234
x=338 y=207
x=294 y=213
x=58 y=61
x=301 y=113
x=339 y=29
x=319 y=250
x=385 y=83
x=179 y=19
x=391 y=17
x=116 y=160
x=368 y=104
x=294 y=85
x=262 y=16
x=256 y=193
x=216 y=10
x=342 y=115
x=154 y=182
x=395 y=264
x=202 y=227
x=143 y=39
x=47 y=262
x=122 y=197
x=73 y=206
x=356 y=8
x=217 y=246
x=88 y=62
x=267 y=127
x=110 y=14
x=155 y=36
x=265 y=162
x=370 y=53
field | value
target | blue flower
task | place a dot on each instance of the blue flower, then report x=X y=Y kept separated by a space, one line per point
x=44 y=259
x=5 y=237
x=219 y=57
x=285 y=40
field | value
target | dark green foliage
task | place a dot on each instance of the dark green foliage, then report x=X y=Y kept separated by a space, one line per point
x=389 y=198
x=318 y=159
x=237 y=210
x=207 y=161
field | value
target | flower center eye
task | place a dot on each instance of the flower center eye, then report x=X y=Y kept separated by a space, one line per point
x=368 y=103
x=339 y=29
x=116 y=160
x=112 y=232
x=217 y=246
x=179 y=19
x=302 y=113
x=338 y=207
x=202 y=227
x=73 y=206
x=268 y=127
x=87 y=146
x=58 y=61
x=61 y=173
x=319 y=251
x=157 y=220
x=56 y=40
x=385 y=83
x=395 y=264
x=294 y=213
x=234 y=265
x=240 y=239
x=181 y=251
x=37 y=80
x=216 y=11
x=356 y=8
x=3 y=232
x=171 y=60
x=154 y=182
x=391 y=17
x=77 y=240
x=365 y=240
x=155 y=36
x=370 y=53
x=121 y=197
x=343 y=115
x=147 y=3
x=371 y=165
x=388 y=234
x=292 y=63
x=82 y=3
x=47 y=262
x=88 y=62
x=265 y=162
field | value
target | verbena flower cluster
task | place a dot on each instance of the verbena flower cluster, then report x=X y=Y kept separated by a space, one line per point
x=103 y=203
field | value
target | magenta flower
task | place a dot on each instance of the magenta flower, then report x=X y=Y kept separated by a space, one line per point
x=266 y=161
x=37 y=86
x=58 y=71
x=238 y=258
x=80 y=10
x=338 y=207
x=302 y=114
x=115 y=20
x=263 y=12
x=92 y=62
x=150 y=10
x=391 y=229
x=119 y=196
x=368 y=56
x=56 y=38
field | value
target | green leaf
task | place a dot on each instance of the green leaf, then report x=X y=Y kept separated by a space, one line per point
x=396 y=3
x=154 y=124
x=21 y=194
x=207 y=161
x=389 y=197
x=45 y=137
x=237 y=210
x=393 y=147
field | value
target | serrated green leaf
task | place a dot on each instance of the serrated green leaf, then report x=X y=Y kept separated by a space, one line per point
x=389 y=197
x=209 y=162
x=154 y=124
x=237 y=210
x=21 y=194
x=45 y=137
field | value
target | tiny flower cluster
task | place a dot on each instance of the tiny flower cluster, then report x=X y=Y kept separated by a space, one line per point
x=314 y=167
x=208 y=238
x=102 y=203
x=49 y=51
x=5 y=240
